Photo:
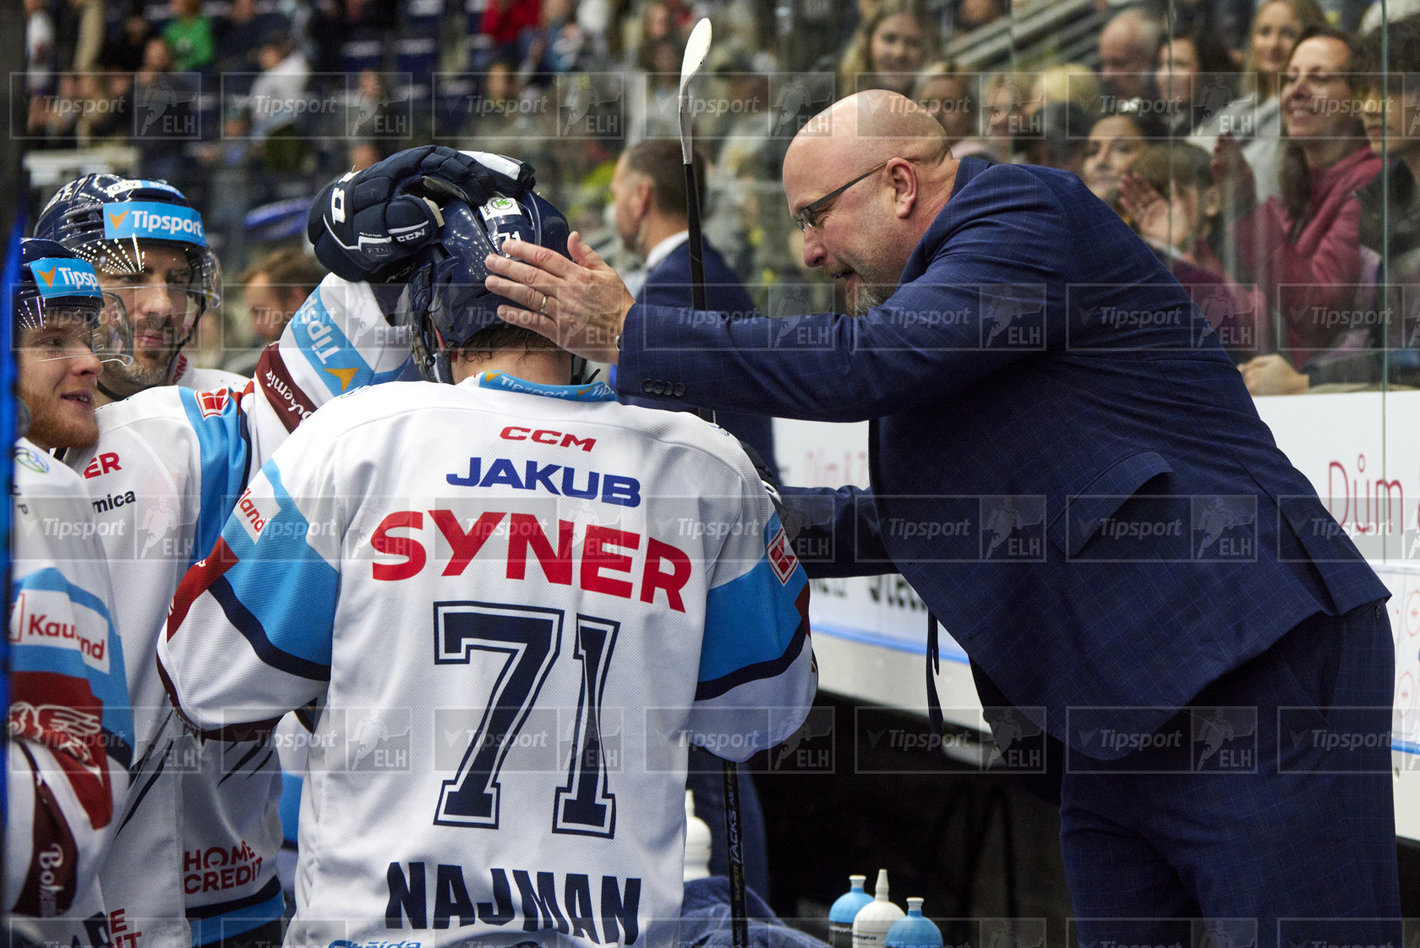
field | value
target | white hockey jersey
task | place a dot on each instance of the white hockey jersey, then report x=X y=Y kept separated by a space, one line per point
x=203 y=379
x=69 y=729
x=194 y=853
x=520 y=604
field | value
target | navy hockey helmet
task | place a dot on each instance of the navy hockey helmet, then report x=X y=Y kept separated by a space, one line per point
x=444 y=302
x=109 y=220
x=57 y=289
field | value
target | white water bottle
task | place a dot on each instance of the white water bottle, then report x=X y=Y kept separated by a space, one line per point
x=697 y=843
x=871 y=924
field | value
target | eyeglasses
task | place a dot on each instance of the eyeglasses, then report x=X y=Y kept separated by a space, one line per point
x=812 y=213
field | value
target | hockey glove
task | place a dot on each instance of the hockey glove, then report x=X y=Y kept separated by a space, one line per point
x=366 y=221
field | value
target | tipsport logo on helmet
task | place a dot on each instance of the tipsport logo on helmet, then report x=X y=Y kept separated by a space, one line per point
x=145 y=220
x=64 y=277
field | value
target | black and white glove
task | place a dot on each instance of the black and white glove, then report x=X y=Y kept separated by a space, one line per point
x=365 y=222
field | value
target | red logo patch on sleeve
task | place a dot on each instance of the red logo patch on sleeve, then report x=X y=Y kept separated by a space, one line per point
x=781 y=557
x=213 y=403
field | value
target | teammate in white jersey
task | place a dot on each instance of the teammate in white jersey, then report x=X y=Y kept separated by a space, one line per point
x=200 y=817
x=69 y=731
x=169 y=464
x=149 y=247
x=519 y=603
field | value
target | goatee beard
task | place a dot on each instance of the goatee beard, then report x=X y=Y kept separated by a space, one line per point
x=868 y=297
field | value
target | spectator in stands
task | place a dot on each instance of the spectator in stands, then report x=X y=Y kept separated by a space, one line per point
x=659 y=19
x=240 y=37
x=1114 y=142
x=509 y=119
x=164 y=114
x=1255 y=119
x=508 y=23
x=557 y=45
x=276 y=286
x=743 y=166
x=39 y=48
x=1302 y=246
x=1169 y=197
x=1057 y=138
x=123 y=50
x=1072 y=83
x=189 y=36
x=1066 y=82
x=973 y=14
x=1194 y=77
x=102 y=114
x=1128 y=48
x=950 y=97
x=1390 y=204
x=659 y=115
x=374 y=114
x=888 y=48
x=277 y=91
x=81 y=26
x=1011 y=98
x=1226 y=19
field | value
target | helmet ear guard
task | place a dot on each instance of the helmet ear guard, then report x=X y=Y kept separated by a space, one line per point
x=443 y=300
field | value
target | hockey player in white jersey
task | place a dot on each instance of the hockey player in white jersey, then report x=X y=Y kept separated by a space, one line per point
x=149 y=247
x=69 y=730
x=200 y=817
x=519 y=603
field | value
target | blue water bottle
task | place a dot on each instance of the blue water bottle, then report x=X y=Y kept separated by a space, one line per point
x=914 y=931
x=840 y=915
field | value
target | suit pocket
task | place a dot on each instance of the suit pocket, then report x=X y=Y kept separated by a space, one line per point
x=1087 y=510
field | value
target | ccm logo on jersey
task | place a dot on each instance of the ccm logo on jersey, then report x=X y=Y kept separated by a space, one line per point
x=546 y=436
x=603 y=553
x=254 y=512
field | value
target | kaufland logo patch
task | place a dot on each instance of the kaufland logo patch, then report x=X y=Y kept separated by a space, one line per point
x=64 y=276
x=255 y=513
x=47 y=617
x=145 y=220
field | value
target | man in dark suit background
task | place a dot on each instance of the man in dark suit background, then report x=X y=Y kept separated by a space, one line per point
x=1167 y=583
x=652 y=220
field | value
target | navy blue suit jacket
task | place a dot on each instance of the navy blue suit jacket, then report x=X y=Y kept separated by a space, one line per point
x=1064 y=463
x=668 y=284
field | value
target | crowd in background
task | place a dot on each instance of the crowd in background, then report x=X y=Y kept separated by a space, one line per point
x=1265 y=149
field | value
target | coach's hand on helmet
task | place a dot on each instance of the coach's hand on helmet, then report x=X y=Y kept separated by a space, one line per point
x=365 y=223
x=579 y=303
